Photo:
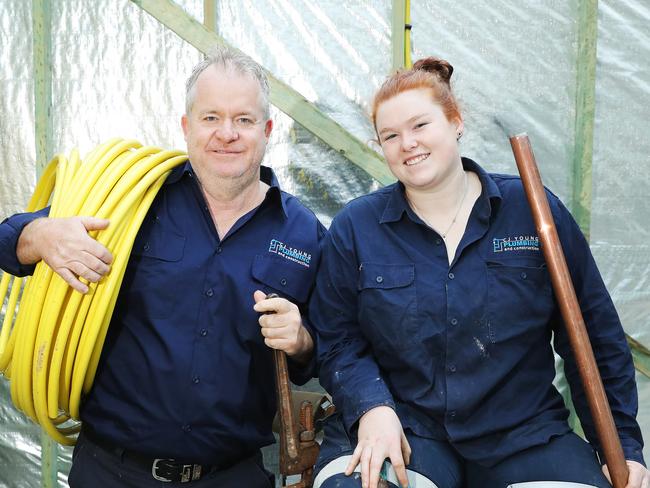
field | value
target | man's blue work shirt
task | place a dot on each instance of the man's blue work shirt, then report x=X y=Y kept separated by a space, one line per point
x=462 y=351
x=185 y=372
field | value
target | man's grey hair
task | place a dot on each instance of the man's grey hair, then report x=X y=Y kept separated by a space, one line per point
x=227 y=57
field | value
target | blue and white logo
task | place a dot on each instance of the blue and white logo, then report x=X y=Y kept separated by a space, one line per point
x=517 y=243
x=296 y=255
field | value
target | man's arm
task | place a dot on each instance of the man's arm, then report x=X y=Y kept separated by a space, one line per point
x=10 y=230
x=65 y=246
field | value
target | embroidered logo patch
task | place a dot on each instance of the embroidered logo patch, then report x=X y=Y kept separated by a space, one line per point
x=290 y=253
x=518 y=243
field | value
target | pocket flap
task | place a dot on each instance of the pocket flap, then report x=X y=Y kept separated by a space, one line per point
x=385 y=276
x=286 y=277
x=171 y=248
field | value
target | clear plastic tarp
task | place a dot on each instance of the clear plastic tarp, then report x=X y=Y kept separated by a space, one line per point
x=116 y=71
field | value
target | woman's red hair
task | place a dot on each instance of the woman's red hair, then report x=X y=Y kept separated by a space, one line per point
x=429 y=73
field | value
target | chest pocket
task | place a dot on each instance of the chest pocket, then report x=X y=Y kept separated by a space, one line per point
x=288 y=279
x=152 y=278
x=388 y=305
x=520 y=300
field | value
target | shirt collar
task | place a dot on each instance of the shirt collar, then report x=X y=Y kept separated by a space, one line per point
x=274 y=195
x=178 y=172
x=490 y=197
x=397 y=204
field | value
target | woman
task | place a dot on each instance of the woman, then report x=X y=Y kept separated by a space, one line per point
x=435 y=315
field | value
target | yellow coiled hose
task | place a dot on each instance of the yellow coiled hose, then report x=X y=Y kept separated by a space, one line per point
x=50 y=346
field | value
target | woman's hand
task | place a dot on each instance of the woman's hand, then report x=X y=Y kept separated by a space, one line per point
x=639 y=476
x=380 y=437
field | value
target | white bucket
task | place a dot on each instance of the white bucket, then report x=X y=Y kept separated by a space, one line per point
x=550 y=484
x=416 y=480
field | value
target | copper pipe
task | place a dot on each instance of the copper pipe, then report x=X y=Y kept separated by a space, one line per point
x=566 y=297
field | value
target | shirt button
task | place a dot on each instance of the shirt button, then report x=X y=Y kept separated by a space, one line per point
x=196 y=380
x=451 y=276
x=452 y=414
x=452 y=368
x=524 y=275
x=187 y=428
x=146 y=247
x=219 y=250
x=438 y=242
x=209 y=292
x=379 y=279
x=283 y=282
x=454 y=321
x=204 y=332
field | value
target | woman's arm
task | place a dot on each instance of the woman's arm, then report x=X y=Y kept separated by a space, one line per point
x=347 y=368
x=607 y=340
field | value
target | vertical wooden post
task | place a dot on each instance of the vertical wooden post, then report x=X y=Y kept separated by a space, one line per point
x=397 y=33
x=581 y=185
x=408 y=62
x=42 y=41
x=585 y=113
x=210 y=14
x=41 y=19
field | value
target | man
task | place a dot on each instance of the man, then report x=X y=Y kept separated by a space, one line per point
x=184 y=392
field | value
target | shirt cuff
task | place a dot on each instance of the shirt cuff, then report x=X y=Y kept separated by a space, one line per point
x=632 y=451
x=364 y=399
x=10 y=231
x=301 y=373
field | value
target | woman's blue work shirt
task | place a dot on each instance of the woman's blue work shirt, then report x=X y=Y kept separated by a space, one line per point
x=463 y=352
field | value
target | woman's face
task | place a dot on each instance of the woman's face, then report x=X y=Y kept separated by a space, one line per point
x=419 y=143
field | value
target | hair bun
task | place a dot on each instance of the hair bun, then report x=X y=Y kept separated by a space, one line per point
x=435 y=65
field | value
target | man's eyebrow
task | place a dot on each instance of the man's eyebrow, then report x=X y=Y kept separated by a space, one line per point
x=207 y=112
x=250 y=113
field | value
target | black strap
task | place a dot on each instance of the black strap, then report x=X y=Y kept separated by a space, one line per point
x=167 y=470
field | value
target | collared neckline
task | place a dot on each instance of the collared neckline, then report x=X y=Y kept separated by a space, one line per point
x=273 y=194
x=397 y=205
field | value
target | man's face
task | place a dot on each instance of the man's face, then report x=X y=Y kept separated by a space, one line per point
x=226 y=130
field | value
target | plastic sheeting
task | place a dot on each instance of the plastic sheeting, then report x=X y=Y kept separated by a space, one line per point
x=117 y=72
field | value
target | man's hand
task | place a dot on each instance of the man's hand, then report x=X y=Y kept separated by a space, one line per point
x=639 y=476
x=65 y=246
x=380 y=437
x=282 y=327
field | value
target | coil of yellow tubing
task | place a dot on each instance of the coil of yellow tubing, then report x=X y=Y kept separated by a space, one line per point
x=52 y=336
